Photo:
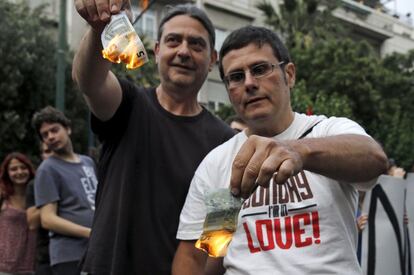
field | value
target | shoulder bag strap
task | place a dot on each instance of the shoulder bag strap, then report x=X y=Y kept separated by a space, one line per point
x=307 y=132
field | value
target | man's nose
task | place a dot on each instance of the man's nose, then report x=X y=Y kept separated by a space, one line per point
x=50 y=136
x=250 y=82
x=183 y=51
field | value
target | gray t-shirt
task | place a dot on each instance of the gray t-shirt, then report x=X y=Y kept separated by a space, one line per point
x=73 y=187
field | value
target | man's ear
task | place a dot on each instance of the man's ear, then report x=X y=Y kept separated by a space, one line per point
x=290 y=73
x=156 y=51
x=69 y=131
x=213 y=59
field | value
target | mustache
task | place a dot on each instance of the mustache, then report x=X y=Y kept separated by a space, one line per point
x=183 y=64
x=252 y=99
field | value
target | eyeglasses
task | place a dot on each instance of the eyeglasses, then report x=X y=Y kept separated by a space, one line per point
x=237 y=78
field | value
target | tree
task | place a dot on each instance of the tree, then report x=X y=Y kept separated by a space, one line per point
x=337 y=79
x=225 y=111
x=395 y=125
x=28 y=69
x=28 y=62
x=27 y=51
x=300 y=22
x=375 y=4
x=337 y=76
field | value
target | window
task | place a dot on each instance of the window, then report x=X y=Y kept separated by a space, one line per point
x=146 y=25
x=211 y=106
x=242 y=3
x=220 y=36
x=214 y=106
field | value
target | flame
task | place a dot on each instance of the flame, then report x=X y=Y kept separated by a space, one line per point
x=123 y=49
x=129 y=55
x=215 y=243
x=113 y=50
x=144 y=4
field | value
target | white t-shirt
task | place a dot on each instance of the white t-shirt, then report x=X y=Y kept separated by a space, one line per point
x=306 y=226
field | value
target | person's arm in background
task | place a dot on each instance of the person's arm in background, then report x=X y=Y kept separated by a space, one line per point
x=33 y=217
x=51 y=221
x=90 y=71
x=361 y=222
x=32 y=212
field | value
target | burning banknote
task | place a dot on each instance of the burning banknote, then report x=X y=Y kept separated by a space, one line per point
x=122 y=44
x=220 y=223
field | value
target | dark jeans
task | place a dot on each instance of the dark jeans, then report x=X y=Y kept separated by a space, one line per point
x=69 y=268
x=43 y=269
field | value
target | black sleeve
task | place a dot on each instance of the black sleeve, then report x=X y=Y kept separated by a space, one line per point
x=30 y=200
x=117 y=124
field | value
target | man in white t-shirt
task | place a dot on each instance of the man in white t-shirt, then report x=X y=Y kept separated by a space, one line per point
x=301 y=218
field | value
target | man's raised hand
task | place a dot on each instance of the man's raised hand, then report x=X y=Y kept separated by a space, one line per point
x=98 y=12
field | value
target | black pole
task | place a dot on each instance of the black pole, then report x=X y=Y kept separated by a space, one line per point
x=143 y=11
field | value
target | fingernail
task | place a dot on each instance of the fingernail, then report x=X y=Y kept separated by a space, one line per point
x=235 y=191
x=114 y=8
x=104 y=15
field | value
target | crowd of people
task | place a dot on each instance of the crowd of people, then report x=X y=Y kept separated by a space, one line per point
x=45 y=219
x=162 y=152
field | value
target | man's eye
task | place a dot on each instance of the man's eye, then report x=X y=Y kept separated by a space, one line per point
x=172 y=41
x=196 y=46
x=236 y=77
x=260 y=69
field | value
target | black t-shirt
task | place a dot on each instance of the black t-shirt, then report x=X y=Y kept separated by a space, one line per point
x=148 y=159
x=42 y=240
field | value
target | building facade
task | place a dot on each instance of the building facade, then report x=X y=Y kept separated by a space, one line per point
x=383 y=31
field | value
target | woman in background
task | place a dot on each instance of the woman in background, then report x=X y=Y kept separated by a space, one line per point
x=17 y=241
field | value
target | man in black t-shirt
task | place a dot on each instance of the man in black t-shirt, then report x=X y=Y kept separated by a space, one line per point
x=153 y=139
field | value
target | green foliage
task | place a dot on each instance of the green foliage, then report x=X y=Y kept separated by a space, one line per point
x=27 y=57
x=330 y=105
x=373 y=3
x=341 y=68
x=300 y=22
x=77 y=111
x=342 y=77
x=395 y=125
x=28 y=71
x=300 y=98
x=355 y=83
x=225 y=111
